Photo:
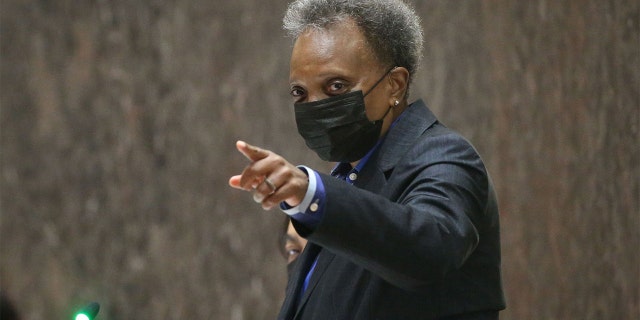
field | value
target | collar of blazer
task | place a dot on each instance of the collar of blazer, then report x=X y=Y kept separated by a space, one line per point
x=416 y=118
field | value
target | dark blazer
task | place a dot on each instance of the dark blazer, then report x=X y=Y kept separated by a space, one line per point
x=416 y=238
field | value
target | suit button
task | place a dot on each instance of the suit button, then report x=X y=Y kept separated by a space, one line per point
x=313 y=207
x=353 y=176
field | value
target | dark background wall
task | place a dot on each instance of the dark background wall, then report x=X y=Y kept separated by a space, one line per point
x=118 y=121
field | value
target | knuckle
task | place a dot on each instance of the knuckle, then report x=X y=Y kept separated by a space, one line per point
x=278 y=160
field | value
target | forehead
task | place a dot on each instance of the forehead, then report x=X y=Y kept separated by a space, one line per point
x=339 y=48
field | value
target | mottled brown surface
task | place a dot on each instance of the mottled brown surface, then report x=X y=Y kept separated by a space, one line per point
x=119 y=118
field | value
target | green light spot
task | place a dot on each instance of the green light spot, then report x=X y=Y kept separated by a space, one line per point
x=82 y=316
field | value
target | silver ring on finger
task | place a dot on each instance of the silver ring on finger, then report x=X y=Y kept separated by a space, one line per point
x=270 y=185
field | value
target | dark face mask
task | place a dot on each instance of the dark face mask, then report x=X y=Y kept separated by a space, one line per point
x=337 y=128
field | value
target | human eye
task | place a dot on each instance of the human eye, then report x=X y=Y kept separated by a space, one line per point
x=336 y=87
x=297 y=93
x=292 y=252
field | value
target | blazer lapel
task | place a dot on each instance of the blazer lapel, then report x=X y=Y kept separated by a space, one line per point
x=324 y=259
x=415 y=120
x=303 y=264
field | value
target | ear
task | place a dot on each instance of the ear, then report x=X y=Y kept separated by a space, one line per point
x=398 y=80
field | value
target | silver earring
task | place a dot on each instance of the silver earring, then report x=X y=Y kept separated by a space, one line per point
x=396 y=103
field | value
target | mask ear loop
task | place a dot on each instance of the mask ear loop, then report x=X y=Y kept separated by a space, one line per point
x=379 y=80
x=374 y=86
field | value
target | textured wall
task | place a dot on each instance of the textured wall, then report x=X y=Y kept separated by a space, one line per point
x=118 y=120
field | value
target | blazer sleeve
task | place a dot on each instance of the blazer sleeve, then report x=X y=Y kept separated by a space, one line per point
x=415 y=223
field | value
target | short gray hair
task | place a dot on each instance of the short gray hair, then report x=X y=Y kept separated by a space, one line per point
x=391 y=27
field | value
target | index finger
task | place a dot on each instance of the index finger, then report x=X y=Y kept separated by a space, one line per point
x=252 y=153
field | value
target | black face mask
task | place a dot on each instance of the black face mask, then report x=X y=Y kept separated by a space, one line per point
x=337 y=128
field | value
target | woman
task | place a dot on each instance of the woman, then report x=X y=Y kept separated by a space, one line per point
x=406 y=226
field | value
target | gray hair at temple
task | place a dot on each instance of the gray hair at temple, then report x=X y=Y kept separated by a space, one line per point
x=391 y=27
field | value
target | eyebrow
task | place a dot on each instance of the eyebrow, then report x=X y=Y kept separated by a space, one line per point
x=328 y=75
